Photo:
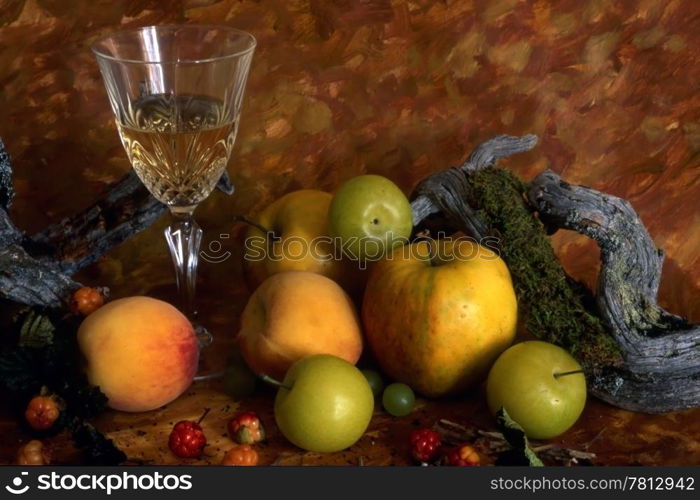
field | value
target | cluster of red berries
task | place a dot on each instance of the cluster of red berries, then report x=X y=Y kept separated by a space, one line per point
x=426 y=445
x=187 y=439
x=43 y=410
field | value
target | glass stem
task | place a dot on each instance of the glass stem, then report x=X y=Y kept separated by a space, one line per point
x=184 y=237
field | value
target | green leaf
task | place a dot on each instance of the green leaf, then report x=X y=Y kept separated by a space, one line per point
x=515 y=435
x=36 y=330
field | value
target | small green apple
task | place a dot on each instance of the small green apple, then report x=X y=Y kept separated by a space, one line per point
x=324 y=404
x=541 y=387
x=370 y=215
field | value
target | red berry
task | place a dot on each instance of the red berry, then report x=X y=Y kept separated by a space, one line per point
x=42 y=412
x=463 y=456
x=246 y=428
x=33 y=453
x=187 y=440
x=242 y=454
x=425 y=444
x=86 y=300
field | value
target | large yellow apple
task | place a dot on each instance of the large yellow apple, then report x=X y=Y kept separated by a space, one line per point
x=438 y=322
x=141 y=352
x=298 y=240
x=295 y=314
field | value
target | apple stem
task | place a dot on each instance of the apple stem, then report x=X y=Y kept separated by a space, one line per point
x=564 y=374
x=259 y=227
x=274 y=381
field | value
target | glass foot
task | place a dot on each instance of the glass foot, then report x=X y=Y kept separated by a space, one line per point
x=206 y=369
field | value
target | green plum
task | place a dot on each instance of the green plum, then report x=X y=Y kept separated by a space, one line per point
x=324 y=404
x=371 y=216
x=541 y=387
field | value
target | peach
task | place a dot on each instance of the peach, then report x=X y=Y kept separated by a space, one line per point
x=294 y=314
x=141 y=352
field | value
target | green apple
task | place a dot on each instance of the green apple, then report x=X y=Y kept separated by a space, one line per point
x=324 y=404
x=370 y=215
x=541 y=387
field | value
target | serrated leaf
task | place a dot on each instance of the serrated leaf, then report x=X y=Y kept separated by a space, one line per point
x=515 y=435
x=36 y=330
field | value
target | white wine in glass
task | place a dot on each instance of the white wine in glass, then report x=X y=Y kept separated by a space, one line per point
x=179 y=150
x=176 y=93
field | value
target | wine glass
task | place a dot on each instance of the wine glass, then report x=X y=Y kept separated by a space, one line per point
x=176 y=93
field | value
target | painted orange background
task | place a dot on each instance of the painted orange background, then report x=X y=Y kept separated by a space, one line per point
x=399 y=88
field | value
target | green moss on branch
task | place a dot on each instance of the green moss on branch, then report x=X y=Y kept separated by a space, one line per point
x=554 y=307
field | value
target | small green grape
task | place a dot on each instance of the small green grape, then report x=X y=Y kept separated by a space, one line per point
x=375 y=381
x=398 y=399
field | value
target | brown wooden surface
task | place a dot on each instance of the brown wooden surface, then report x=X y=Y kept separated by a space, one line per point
x=400 y=88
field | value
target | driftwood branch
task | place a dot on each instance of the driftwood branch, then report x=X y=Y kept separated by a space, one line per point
x=78 y=241
x=35 y=270
x=444 y=191
x=22 y=279
x=660 y=368
x=661 y=350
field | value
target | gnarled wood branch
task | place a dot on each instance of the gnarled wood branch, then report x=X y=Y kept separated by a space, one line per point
x=78 y=241
x=444 y=191
x=661 y=350
x=35 y=270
